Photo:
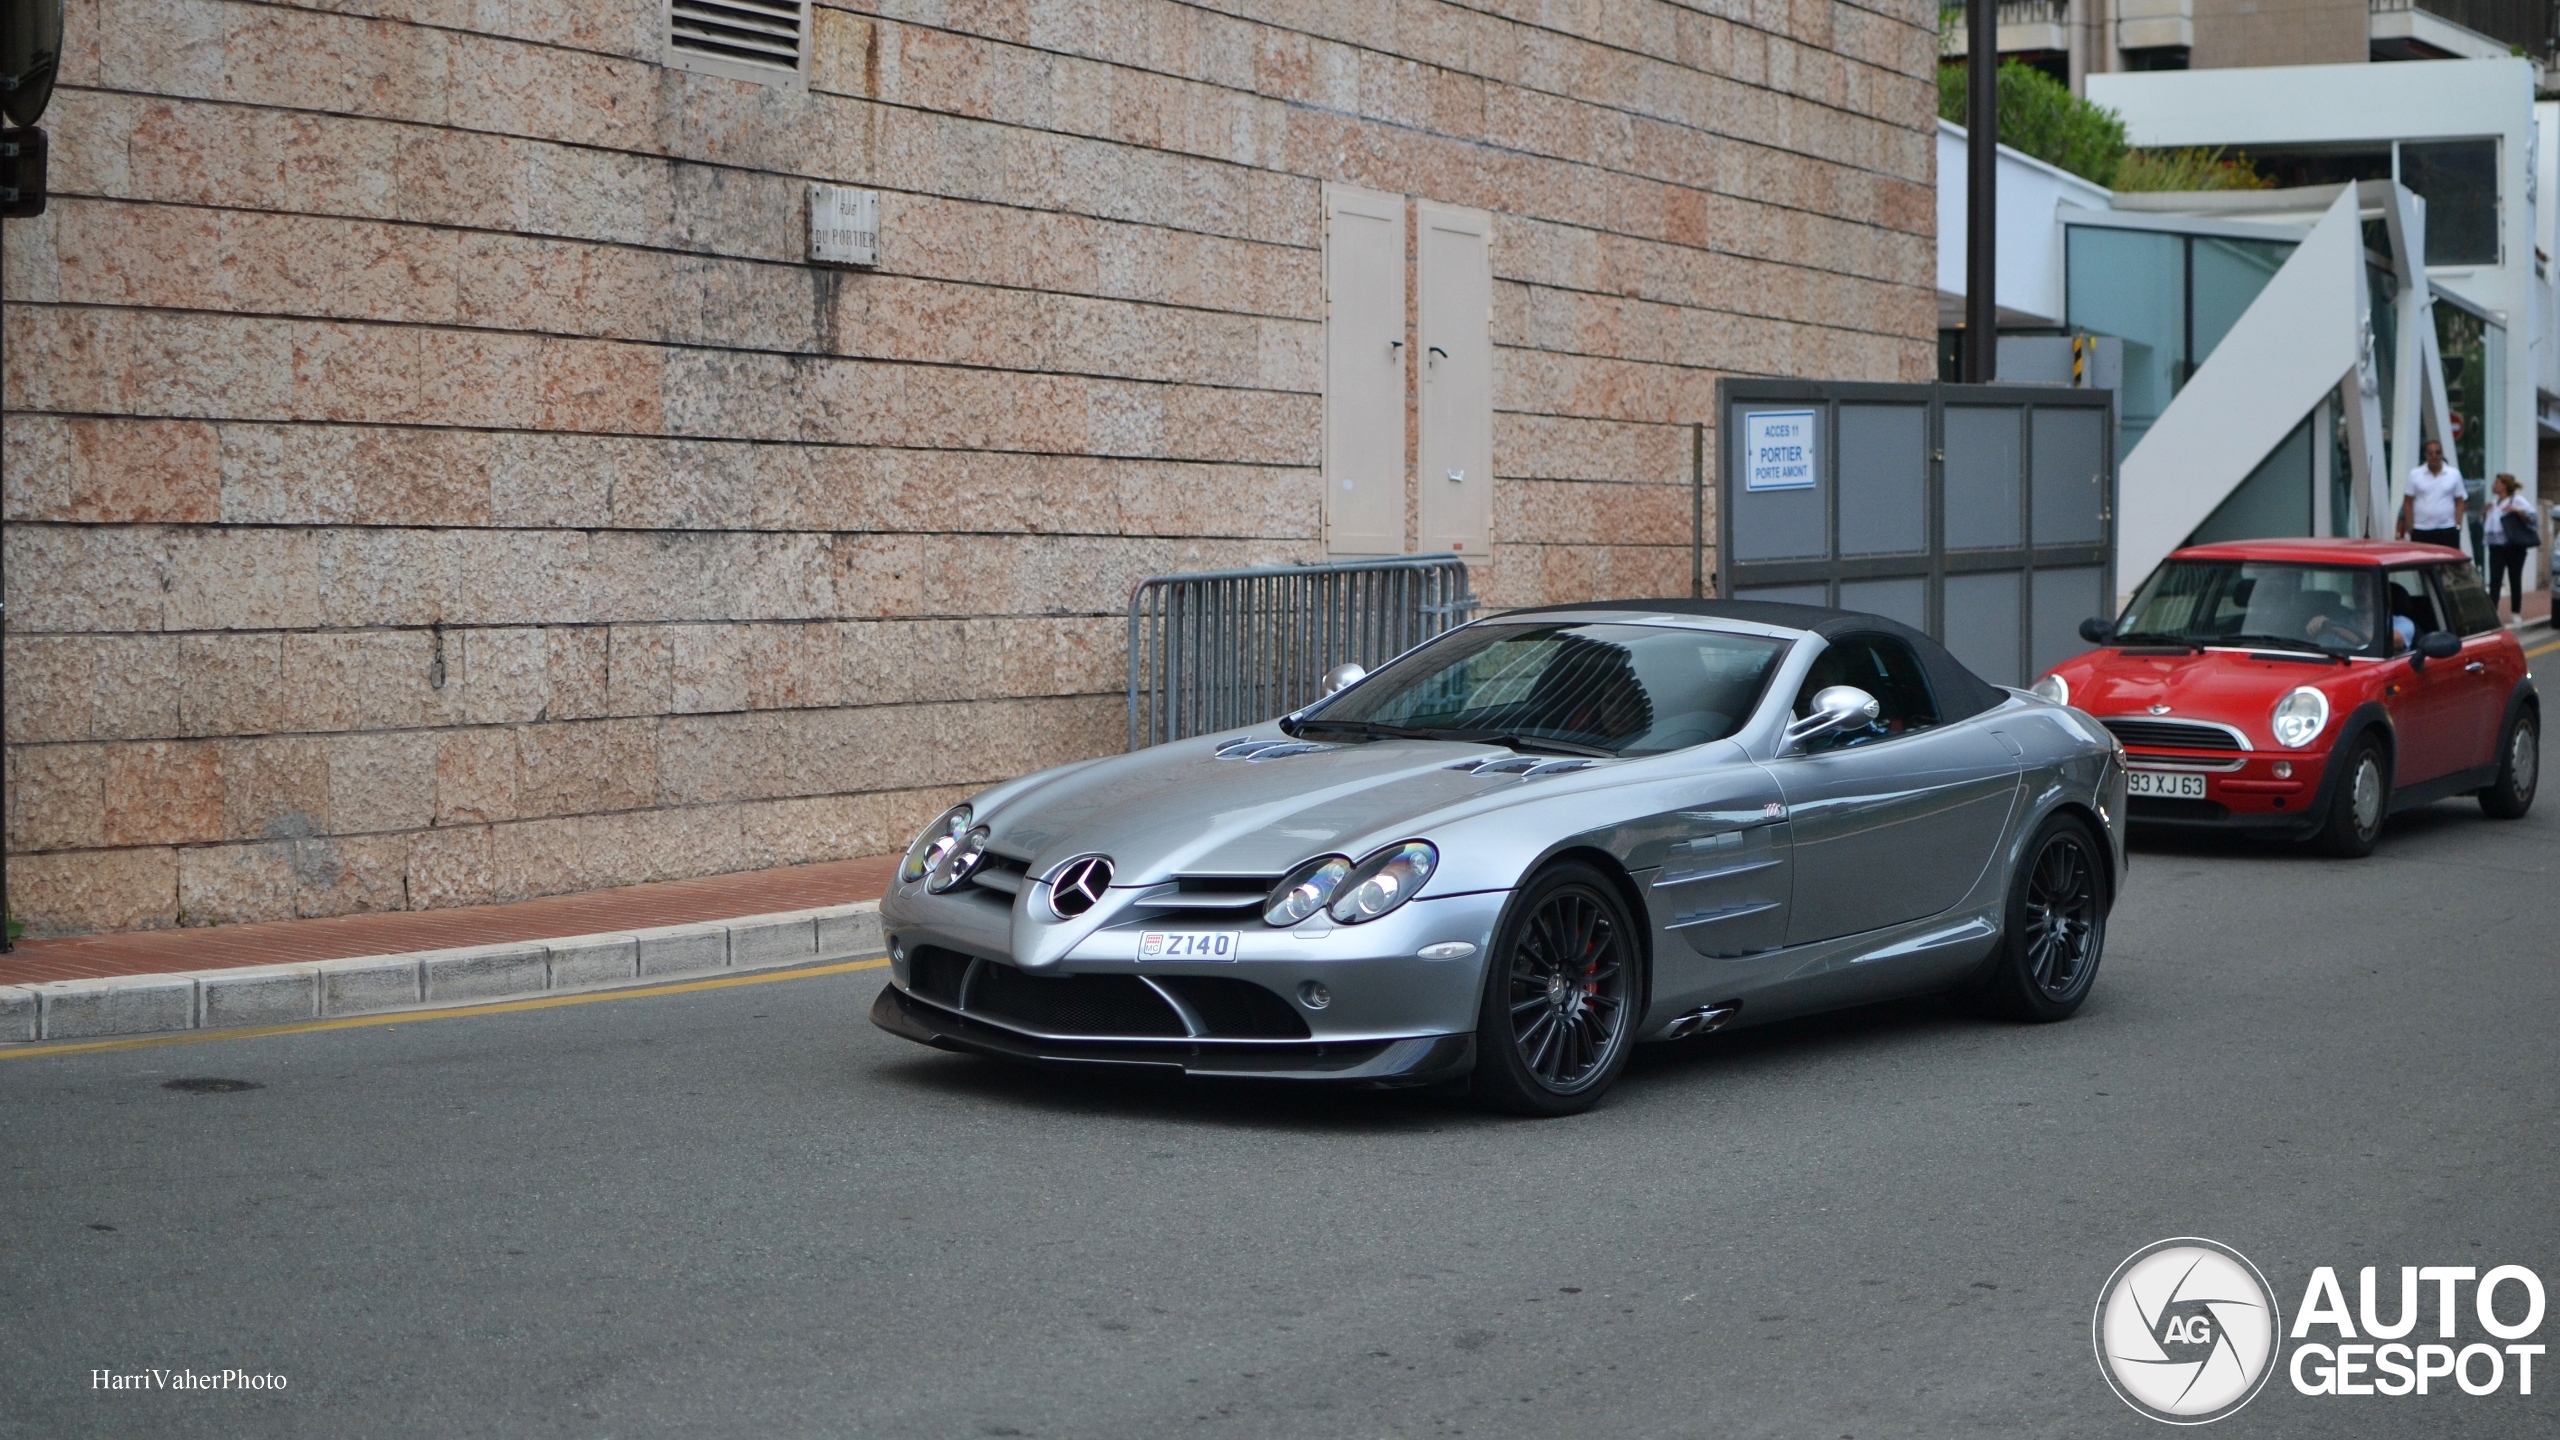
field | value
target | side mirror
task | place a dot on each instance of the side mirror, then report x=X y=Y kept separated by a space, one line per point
x=1343 y=677
x=2436 y=645
x=1835 y=708
x=2097 y=630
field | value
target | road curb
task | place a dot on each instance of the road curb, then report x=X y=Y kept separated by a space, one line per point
x=123 y=1005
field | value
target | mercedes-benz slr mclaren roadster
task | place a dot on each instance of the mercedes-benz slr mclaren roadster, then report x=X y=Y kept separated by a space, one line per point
x=1518 y=850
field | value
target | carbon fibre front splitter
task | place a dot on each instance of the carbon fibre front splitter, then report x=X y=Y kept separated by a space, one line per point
x=1384 y=1064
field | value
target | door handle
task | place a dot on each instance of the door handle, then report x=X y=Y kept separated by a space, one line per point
x=2474 y=668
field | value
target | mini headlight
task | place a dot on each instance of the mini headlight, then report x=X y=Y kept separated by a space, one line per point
x=2053 y=688
x=1384 y=881
x=1308 y=889
x=959 y=862
x=933 y=844
x=2300 y=717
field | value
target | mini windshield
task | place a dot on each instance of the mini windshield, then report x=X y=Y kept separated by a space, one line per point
x=1567 y=688
x=2323 y=609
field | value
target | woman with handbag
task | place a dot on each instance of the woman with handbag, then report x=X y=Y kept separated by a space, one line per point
x=2511 y=528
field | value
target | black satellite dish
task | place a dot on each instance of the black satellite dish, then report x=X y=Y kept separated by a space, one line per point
x=30 y=49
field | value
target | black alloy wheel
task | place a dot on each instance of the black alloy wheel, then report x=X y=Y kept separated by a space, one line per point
x=2519 y=767
x=2063 y=917
x=1562 y=998
x=2048 y=957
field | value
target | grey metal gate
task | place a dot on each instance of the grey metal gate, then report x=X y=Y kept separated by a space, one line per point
x=1981 y=514
x=1211 y=651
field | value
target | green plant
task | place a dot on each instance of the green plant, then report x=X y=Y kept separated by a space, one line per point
x=2039 y=116
x=2191 y=169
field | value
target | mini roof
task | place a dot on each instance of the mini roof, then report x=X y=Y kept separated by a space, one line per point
x=2321 y=550
x=1959 y=691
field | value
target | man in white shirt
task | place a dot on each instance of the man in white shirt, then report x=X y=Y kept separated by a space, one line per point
x=2431 y=508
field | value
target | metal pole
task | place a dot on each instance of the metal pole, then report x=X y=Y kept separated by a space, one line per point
x=1697 y=512
x=1982 y=198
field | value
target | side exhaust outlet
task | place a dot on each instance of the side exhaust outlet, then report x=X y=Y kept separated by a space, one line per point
x=1702 y=1020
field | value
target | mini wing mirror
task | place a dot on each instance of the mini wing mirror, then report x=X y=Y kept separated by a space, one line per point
x=2097 y=630
x=1836 y=707
x=1343 y=677
x=2436 y=645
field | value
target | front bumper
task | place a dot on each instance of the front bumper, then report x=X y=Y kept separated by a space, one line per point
x=1406 y=1061
x=2243 y=794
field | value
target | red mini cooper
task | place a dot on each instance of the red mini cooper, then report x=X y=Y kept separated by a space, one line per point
x=2307 y=689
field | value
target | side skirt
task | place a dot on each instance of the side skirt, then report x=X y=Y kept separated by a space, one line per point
x=2461 y=782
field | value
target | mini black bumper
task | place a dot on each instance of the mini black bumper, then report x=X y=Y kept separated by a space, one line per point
x=2196 y=817
x=1417 y=1060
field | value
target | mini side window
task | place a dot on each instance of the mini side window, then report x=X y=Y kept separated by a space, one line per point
x=2473 y=611
x=2412 y=598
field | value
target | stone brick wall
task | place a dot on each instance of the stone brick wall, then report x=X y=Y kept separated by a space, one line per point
x=435 y=477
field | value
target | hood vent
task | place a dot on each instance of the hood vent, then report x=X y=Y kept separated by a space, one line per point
x=1527 y=767
x=1253 y=748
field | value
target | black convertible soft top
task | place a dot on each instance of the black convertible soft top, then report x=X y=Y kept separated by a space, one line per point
x=1959 y=691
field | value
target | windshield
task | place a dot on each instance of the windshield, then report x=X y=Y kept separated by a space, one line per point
x=2323 y=609
x=1609 y=689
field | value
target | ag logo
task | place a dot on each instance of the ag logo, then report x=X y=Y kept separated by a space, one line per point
x=2186 y=1331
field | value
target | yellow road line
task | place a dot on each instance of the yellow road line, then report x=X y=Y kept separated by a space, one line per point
x=408 y=1017
x=2542 y=649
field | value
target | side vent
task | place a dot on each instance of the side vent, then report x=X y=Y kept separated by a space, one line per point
x=766 y=41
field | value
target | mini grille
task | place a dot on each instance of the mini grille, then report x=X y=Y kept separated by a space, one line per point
x=757 y=33
x=2171 y=734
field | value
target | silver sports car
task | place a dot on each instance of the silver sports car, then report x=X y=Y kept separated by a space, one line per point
x=1516 y=851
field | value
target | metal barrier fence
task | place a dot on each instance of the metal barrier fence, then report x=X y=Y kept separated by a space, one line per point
x=1224 y=648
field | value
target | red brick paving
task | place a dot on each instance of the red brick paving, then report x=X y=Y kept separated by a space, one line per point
x=277 y=942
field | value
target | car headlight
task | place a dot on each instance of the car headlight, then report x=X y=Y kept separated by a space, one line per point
x=2053 y=688
x=959 y=862
x=933 y=844
x=1308 y=889
x=2300 y=717
x=1384 y=881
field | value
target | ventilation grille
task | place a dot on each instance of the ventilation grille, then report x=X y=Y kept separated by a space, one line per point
x=738 y=36
x=2172 y=734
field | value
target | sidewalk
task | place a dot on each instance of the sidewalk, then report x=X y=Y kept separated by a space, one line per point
x=286 y=942
x=289 y=973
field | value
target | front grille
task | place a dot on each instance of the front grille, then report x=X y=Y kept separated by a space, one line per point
x=1228 y=1008
x=1234 y=1009
x=1000 y=873
x=2170 y=734
x=935 y=974
x=1072 y=1004
x=2153 y=807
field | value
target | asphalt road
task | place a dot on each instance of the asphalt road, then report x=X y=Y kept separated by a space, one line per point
x=746 y=1212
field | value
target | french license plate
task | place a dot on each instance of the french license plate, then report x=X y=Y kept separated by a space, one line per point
x=1187 y=945
x=2168 y=784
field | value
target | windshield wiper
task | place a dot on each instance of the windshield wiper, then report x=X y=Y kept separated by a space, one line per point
x=2154 y=637
x=1360 y=727
x=2279 y=642
x=1539 y=743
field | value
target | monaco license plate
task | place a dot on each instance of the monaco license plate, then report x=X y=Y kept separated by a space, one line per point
x=1188 y=944
x=2168 y=784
